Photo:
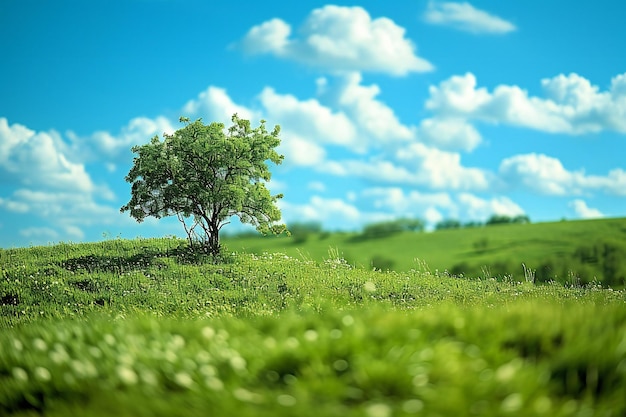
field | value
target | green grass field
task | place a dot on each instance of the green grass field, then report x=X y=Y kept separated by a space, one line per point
x=146 y=328
x=548 y=248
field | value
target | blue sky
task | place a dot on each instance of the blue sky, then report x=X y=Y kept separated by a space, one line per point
x=426 y=109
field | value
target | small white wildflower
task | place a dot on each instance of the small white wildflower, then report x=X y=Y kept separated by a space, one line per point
x=413 y=406
x=310 y=335
x=347 y=320
x=42 y=374
x=177 y=342
x=507 y=371
x=214 y=383
x=292 y=343
x=208 y=332
x=378 y=410
x=286 y=400
x=17 y=345
x=109 y=339
x=238 y=363
x=512 y=403
x=20 y=374
x=183 y=379
x=39 y=344
x=127 y=375
x=247 y=396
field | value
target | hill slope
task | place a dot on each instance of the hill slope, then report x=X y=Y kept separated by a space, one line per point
x=569 y=251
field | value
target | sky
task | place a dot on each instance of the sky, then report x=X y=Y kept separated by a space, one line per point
x=423 y=109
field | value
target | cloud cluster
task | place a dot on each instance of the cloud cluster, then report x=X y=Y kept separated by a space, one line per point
x=338 y=38
x=39 y=159
x=48 y=183
x=571 y=105
x=583 y=211
x=547 y=175
x=467 y=18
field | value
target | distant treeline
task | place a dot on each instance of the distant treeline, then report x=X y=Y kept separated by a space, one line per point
x=301 y=231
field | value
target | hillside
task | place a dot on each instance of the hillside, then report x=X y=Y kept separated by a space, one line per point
x=566 y=251
x=147 y=328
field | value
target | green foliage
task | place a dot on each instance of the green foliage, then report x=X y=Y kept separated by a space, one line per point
x=448 y=224
x=500 y=219
x=204 y=176
x=301 y=232
x=388 y=228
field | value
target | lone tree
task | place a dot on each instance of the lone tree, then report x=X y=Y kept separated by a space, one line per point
x=203 y=175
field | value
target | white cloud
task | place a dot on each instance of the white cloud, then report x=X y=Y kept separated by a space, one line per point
x=400 y=201
x=138 y=131
x=39 y=232
x=441 y=169
x=583 y=211
x=373 y=117
x=325 y=210
x=416 y=165
x=432 y=216
x=38 y=159
x=339 y=38
x=308 y=118
x=547 y=175
x=214 y=104
x=299 y=151
x=572 y=104
x=268 y=37
x=449 y=133
x=465 y=17
x=481 y=209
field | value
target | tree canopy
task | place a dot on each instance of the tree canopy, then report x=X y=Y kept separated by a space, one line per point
x=204 y=175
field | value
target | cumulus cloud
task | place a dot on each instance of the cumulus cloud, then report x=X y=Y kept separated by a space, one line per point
x=339 y=38
x=449 y=133
x=481 y=209
x=325 y=210
x=465 y=17
x=400 y=201
x=414 y=165
x=309 y=117
x=583 y=211
x=547 y=175
x=39 y=159
x=571 y=104
x=104 y=146
x=374 y=118
x=49 y=183
x=214 y=104
x=301 y=152
x=440 y=169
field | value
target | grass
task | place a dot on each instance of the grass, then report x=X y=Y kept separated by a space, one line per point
x=146 y=328
x=494 y=250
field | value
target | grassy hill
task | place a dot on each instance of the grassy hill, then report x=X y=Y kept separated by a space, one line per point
x=147 y=328
x=574 y=251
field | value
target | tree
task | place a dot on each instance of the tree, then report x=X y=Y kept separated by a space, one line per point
x=204 y=175
x=388 y=228
x=448 y=224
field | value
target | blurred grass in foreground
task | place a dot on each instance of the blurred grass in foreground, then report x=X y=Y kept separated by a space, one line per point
x=144 y=328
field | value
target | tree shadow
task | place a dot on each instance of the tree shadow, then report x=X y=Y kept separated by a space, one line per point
x=115 y=264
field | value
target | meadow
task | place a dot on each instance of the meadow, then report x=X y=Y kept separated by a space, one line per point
x=574 y=252
x=147 y=328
